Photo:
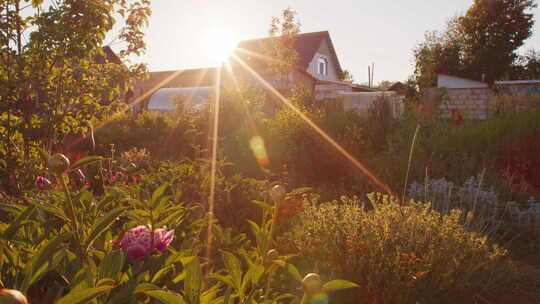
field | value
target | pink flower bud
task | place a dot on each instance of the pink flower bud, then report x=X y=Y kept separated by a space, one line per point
x=43 y=183
x=136 y=242
x=12 y=296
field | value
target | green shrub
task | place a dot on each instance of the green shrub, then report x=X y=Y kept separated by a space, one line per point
x=401 y=254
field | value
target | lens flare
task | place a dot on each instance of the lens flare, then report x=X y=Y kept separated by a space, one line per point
x=314 y=126
x=256 y=143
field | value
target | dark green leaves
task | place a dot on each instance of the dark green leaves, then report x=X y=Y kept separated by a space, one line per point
x=101 y=225
x=81 y=296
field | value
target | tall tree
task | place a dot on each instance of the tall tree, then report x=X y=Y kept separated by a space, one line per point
x=481 y=44
x=55 y=74
x=492 y=31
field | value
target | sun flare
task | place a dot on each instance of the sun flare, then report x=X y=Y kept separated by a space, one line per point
x=219 y=43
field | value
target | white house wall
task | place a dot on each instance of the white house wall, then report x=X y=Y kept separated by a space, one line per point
x=313 y=68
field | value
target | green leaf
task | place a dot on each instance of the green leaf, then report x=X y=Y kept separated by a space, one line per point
x=42 y=255
x=165 y=297
x=338 y=285
x=254 y=274
x=161 y=273
x=227 y=280
x=84 y=295
x=263 y=205
x=86 y=161
x=51 y=209
x=234 y=267
x=158 y=193
x=10 y=231
x=193 y=281
x=294 y=272
x=111 y=265
x=142 y=287
x=102 y=224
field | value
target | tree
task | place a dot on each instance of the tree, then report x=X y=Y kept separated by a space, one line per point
x=439 y=53
x=347 y=76
x=527 y=66
x=480 y=45
x=280 y=48
x=55 y=76
x=492 y=32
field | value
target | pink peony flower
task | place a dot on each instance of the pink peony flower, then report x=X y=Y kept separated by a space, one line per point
x=136 y=242
x=162 y=239
x=42 y=183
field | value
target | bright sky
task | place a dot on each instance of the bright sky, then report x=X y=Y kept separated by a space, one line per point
x=199 y=33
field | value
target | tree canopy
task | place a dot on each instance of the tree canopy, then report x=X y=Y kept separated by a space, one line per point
x=481 y=44
x=56 y=74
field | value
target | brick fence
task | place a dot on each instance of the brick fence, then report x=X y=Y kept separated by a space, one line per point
x=469 y=103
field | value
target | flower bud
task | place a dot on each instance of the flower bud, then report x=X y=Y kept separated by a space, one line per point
x=42 y=183
x=312 y=284
x=58 y=163
x=11 y=296
x=278 y=193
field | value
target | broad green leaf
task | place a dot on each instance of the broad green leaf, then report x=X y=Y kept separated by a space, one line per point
x=338 y=285
x=209 y=295
x=294 y=272
x=193 y=281
x=253 y=275
x=234 y=267
x=84 y=295
x=179 y=278
x=86 y=161
x=158 y=193
x=10 y=231
x=48 y=250
x=106 y=281
x=111 y=265
x=227 y=280
x=161 y=273
x=50 y=264
x=254 y=227
x=145 y=287
x=165 y=297
x=102 y=224
x=51 y=209
x=263 y=205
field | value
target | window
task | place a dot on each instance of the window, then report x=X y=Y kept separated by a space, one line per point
x=323 y=66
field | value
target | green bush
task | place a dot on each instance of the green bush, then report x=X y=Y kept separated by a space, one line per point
x=401 y=253
x=164 y=136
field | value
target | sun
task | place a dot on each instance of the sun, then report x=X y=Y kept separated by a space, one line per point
x=218 y=44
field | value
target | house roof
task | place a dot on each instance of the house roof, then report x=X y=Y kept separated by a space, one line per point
x=205 y=77
x=305 y=45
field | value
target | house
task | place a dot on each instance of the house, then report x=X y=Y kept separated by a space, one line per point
x=317 y=70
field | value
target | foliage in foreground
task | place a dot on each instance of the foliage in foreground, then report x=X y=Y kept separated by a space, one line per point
x=59 y=246
x=401 y=253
